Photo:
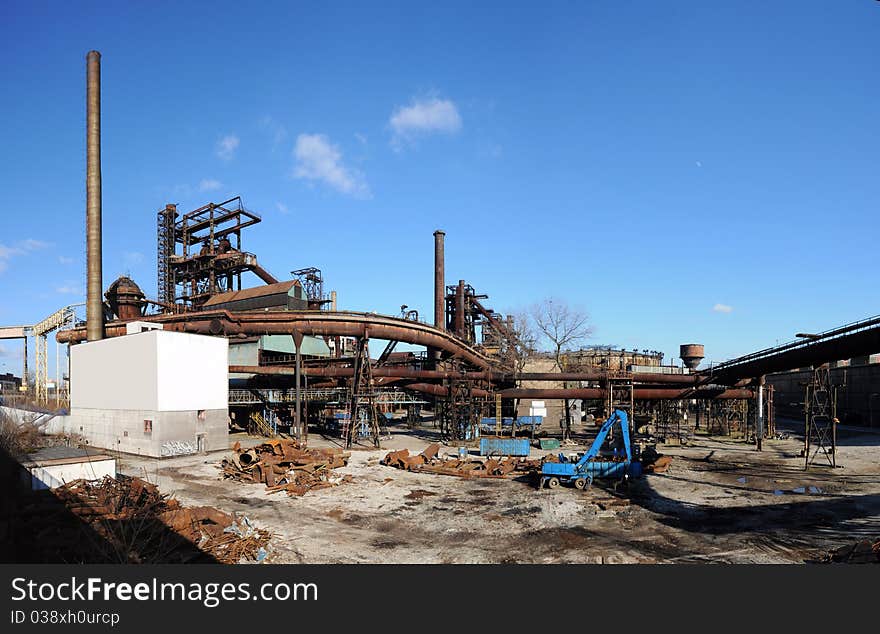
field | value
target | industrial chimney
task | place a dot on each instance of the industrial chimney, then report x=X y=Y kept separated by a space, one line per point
x=439 y=281
x=94 y=308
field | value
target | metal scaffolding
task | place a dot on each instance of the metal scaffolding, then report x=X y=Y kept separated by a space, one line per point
x=61 y=318
x=820 y=409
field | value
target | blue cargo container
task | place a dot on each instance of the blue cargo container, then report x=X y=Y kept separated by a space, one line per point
x=488 y=423
x=504 y=446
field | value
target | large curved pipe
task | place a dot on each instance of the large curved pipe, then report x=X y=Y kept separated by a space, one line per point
x=348 y=324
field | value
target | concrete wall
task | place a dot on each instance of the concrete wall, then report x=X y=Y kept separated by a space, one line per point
x=193 y=371
x=115 y=373
x=54 y=475
x=171 y=433
x=857 y=404
x=555 y=407
x=152 y=370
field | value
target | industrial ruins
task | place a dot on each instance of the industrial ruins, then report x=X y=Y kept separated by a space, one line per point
x=423 y=438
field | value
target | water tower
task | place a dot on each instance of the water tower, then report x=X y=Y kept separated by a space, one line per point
x=691 y=354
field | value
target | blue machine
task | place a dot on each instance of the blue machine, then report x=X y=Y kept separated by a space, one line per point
x=582 y=472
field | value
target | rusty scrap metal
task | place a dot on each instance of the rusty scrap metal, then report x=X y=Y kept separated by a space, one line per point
x=861 y=552
x=286 y=465
x=429 y=462
x=138 y=524
x=660 y=465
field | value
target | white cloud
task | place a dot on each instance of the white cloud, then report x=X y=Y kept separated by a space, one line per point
x=361 y=137
x=21 y=248
x=132 y=257
x=5 y=352
x=227 y=146
x=317 y=159
x=65 y=260
x=722 y=308
x=209 y=185
x=282 y=208
x=276 y=130
x=30 y=244
x=424 y=116
x=70 y=289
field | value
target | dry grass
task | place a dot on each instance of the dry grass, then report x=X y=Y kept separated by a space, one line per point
x=18 y=440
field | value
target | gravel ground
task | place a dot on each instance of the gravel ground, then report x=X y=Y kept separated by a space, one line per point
x=720 y=501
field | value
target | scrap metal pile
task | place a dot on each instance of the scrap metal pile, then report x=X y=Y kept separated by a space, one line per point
x=429 y=462
x=127 y=520
x=286 y=465
x=861 y=552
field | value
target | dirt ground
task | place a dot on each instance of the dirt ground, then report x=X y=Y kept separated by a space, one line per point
x=720 y=501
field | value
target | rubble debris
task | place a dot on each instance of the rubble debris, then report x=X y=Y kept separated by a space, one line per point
x=286 y=465
x=653 y=461
x=659 y=463
x=138 y=524
x=860 y=552
x=429 y=462
x=608 y=503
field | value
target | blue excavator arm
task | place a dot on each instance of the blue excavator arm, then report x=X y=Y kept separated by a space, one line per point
x=617 y=416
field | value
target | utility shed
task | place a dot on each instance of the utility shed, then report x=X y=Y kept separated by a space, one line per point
x=154 y=393
x=281 y=296
x=54 y=466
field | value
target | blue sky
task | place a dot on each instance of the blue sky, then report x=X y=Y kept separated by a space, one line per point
x=684 y=171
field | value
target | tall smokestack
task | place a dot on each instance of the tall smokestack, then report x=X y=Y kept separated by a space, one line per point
x=439 y=280
x=94 y=309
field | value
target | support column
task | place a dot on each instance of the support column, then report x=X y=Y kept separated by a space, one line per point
x=24 y=367
x=759 y=419
x=297 y=341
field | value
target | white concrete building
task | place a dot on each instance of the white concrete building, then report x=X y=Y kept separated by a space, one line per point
x=153 y=393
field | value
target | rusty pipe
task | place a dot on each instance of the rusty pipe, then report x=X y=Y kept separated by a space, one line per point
x=638 y=394
x=459 y=309
x=94 y=307
x=221 y=322
x=526 y=393
x=263 y=274
x=413 y=373
x=440 y=390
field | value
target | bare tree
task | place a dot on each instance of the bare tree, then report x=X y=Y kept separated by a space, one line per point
x=564 y=328
x=522 y=344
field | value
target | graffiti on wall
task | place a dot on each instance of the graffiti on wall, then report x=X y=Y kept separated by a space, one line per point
x=177 y=448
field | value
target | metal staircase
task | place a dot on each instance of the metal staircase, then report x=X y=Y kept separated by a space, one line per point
x=259 y=425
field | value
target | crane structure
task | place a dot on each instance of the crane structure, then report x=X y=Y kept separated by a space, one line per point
x=62 y=318
x=591 y=465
